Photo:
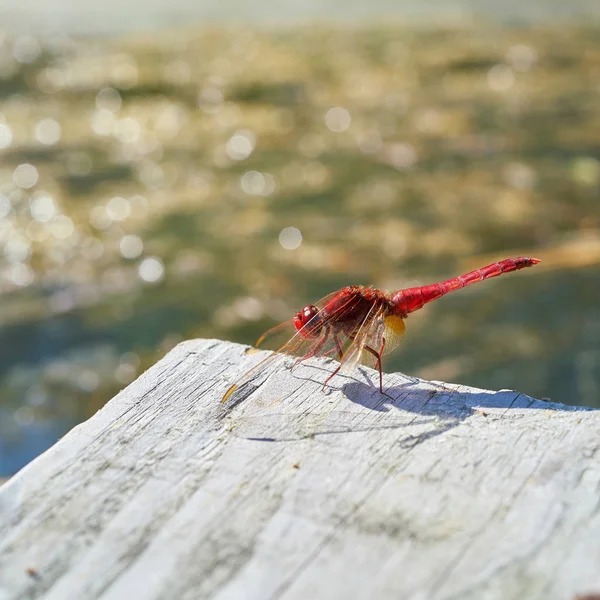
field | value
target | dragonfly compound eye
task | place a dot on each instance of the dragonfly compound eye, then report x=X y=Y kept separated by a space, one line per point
x=307 y=322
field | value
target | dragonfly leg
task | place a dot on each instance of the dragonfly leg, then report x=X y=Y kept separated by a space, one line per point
x=316 y=347
x=338 y=347
x=378 y=356
x=329 y=378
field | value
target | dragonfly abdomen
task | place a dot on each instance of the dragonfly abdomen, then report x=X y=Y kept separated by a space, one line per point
x=411 y=299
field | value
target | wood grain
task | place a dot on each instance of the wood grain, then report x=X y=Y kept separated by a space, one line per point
x=289 y=492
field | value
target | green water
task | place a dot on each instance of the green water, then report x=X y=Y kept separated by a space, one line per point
x=147 y=182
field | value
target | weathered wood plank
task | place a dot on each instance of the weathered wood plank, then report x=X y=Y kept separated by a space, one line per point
x=445 y=492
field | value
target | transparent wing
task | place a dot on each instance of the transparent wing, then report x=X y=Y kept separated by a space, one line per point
x=370 y=335
x=373 y=331
x=297 y=345
x=285 y=339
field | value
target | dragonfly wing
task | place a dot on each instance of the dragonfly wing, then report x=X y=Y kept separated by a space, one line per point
x=283 y=329
x=298 y=345
x=252 y=373
x=370 y=334
x=286 y=339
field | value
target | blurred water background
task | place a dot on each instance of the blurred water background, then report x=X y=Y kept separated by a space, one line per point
x=180 y=170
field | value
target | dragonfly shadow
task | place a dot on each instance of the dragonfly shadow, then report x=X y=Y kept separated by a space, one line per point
x=321 y=424
x=441 y=407
x=294 y=428
x=411 y=397
x=429 y=398
x=424 y=409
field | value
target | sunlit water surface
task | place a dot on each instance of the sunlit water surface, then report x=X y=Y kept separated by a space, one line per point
x=210 y=183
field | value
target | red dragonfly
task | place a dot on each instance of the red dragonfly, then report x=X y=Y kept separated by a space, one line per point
x=360 y=324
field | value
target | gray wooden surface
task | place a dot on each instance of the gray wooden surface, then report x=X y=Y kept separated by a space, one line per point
x=294 y=493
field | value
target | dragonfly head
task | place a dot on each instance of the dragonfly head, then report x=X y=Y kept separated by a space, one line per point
x=308 y=323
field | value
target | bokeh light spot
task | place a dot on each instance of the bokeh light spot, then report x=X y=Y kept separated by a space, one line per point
x=17 y=249
x=48 y=132
x=210 y=99
x=118 y=208
x=500 y=78
x=337 y=119
x=5 y=206
x=42 y=207
x=26 y=49
x=401 y=155
x=103 y=122
x=255 y=183
x=240 y=145
x=108 y=99
x=520 y=176
x=131 y=246
x=248 y=308
x=24 y=416
x=88 y=381
x=6 y=136
x=22 y=274
x=62 y=227
x=128 y=130
x=290 y=238
x=522 y=57
x=125 y=373
x=25 y=176
x=585 y=170
x=151 y=269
